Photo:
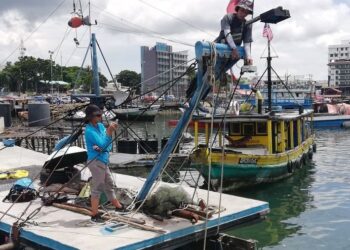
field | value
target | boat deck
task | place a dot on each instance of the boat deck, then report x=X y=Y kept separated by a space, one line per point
x=61 y=229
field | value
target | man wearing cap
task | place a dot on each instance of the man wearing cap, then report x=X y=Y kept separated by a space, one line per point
x=234 y=31
x=99 y=143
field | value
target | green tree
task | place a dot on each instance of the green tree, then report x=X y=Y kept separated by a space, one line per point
x=128 y=78
x=26 y=73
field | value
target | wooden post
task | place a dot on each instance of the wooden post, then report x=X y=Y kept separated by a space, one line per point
x=220 y=138
x=196 y=133
x=33 y=143
x=283 y=137
x=291 y=127
x=206 y=133
x=299 y=131
x=269 y=136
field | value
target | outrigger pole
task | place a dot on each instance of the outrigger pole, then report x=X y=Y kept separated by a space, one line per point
x=204 y=50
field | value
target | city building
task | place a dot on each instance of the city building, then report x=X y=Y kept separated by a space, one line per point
x=160 y=65
x=339 y=65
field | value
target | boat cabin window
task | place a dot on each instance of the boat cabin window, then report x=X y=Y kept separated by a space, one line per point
x=248 y=128
x=235 y=128
x=261 y=128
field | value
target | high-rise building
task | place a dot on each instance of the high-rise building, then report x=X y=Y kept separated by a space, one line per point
x=160 y=65
x=339 y=65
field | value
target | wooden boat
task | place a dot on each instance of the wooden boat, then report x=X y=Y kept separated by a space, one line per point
x=137 y=113
x=261 y=148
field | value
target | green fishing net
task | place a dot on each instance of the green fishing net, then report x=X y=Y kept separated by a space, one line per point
x=165 y=200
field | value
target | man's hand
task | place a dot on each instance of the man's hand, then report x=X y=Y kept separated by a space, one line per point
x=111 y=128
x=248 y=61
x=235 y=54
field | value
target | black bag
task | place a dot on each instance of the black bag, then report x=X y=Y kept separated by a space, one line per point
x=20 y=193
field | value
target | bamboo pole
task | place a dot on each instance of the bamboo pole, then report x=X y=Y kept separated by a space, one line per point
x=111 y=218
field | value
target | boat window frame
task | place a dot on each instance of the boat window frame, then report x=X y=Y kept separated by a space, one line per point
x=260 y=133
x=248 y=124
x=231 y=130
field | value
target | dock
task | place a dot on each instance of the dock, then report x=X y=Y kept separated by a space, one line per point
x=61 y=229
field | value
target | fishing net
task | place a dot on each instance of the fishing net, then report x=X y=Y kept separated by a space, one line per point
x=166 y=199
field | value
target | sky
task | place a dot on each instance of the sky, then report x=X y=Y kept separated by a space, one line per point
x=301 y=42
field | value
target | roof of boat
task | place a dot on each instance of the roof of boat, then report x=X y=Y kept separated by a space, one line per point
x=285 y=115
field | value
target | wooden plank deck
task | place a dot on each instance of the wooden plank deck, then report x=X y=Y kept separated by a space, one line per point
x=60 y=229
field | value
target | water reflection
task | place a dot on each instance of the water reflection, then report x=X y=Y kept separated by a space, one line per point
x=287 y=198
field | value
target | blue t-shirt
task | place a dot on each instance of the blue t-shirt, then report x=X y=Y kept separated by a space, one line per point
x=96 y=136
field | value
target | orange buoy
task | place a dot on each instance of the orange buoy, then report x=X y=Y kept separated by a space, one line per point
x=76 y=22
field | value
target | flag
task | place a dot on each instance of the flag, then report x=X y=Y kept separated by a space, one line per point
x=267 y=32
x=231 y=6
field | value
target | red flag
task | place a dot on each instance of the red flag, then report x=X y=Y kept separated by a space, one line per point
x=232 y=6
x=267 y=32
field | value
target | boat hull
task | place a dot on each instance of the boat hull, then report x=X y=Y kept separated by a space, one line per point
x=330 y=121
x=266 y=169
x=136 y=114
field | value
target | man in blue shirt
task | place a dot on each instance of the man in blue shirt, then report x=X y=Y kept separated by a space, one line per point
x=99 y=143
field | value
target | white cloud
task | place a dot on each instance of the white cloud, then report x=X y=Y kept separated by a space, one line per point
x=301 y=42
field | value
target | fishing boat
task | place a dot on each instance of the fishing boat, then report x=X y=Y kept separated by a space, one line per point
x=261 y=148
x=256 y=146
x=297 y=93
x=137 y=113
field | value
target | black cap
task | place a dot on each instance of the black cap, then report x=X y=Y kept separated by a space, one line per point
x=91 y=111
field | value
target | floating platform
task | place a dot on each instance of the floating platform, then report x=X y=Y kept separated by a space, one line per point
x=61 y=229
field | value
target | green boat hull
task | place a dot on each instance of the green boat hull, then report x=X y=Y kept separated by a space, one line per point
x=243 y=175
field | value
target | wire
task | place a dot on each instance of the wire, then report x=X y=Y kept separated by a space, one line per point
x=28 y=218
x=76 y=174
x=211 y=69
x=141 y=28
x=177 y=18
x=63 y=117
x=109 y=70
x=75 y=49
x=58 y=48
x=35 y=30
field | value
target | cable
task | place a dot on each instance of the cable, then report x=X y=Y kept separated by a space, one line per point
x=141 y=28
x=109 y=70
x=32 y=33
x=28 y=218
x=211 y=69
x=138 y=32
x=75 y=49
x=177 y=18
x=76 y=174
x=58 y=48
x=63 y=117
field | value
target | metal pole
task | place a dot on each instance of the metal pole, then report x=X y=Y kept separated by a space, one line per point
x=51 y=53
x=269 y=81
x=96 y=78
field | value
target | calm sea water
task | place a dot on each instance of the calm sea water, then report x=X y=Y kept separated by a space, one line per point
x=310 y=210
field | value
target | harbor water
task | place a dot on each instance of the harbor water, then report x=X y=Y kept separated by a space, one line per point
x=309 y=210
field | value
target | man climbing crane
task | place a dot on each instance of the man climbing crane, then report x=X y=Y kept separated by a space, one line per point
x=234 y=31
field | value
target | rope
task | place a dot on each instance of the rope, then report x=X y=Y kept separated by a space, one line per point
x=28 y=218
x=35 y=30
x=211 y=69
x=141 y=28
x=75 y=175
x=177 y=18
x=42 y=128
x=109 y=70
